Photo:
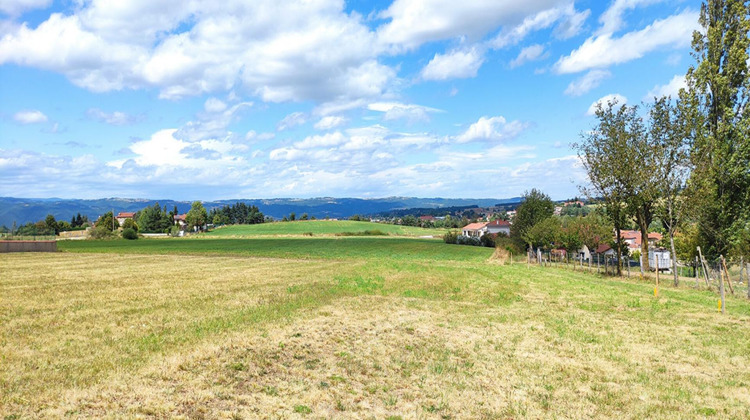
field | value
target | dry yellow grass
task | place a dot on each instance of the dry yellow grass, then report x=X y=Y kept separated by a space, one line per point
x=114 y=336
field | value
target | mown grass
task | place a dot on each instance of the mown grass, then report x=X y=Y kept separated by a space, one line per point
x=112 y=330
x=321 y=227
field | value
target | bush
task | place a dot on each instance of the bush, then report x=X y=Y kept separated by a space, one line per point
x=487 y=240
x=174 y=231
x=129 y=233
x=450 y=237
x=130 y=224
x=468 y=240
x=100 y=232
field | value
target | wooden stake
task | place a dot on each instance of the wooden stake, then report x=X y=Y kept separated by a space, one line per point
x=695 y=268
x=747 y=276
x=721 y=291
x=704 y=266
x=726 y=273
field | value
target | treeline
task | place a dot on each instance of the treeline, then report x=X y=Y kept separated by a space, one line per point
x=236 y=214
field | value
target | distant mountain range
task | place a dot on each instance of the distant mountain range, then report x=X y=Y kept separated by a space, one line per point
x=24 y=210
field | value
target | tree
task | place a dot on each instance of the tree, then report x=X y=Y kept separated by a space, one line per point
x=107 y=221
x=292 y=216
x=130 y=224
x=545 y=234
x=197 y=216
x=606 y=155
x=52 y=225
x=535 y=207
x=720 y=88
x=592 y=230
x=670 y=129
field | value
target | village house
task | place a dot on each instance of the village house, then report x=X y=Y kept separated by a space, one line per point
x=426 y=218
x=498 y=226
x=180 y=220
x=475 y=230
x=124 y=215
x=633 y=239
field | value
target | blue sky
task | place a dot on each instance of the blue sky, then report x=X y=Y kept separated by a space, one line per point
x=237 y=99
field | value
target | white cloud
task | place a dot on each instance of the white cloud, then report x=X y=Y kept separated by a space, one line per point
x=292 y=120
x=492 y=129
x=396 y=110
x=570 y=24
x=214 y=105
x=329 y=122
x=111 y=118
x=530 y=53
x=585 y=83
x=456 y=64
x=279 y=51
x=415 y=23
x=16 y=7
x=607 y=99
x=670 y=89
x=604 y=50
x=30 y=117
x=325 y=140
x=612 y=20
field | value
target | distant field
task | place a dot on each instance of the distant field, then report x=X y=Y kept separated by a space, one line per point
x=376 y=247
x=322 y=227
x=353 y=327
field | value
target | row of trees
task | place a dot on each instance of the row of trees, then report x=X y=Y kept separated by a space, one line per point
x=686 y=161
x=236 y=214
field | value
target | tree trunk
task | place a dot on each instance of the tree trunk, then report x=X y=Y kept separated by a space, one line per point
x=674 y=258
x=619 y=247
x=643 y=225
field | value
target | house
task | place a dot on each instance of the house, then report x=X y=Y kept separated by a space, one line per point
x=584 y=253
x=606 y=250
x=558 y=210
x=511 y=214
x=498 y=226
x=124 y=215
x=179 y=220
x=426 y=218
x=573 y=203
x=475 y=230
x=633 y=239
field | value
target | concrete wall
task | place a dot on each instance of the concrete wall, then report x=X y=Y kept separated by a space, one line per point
x=28 y=246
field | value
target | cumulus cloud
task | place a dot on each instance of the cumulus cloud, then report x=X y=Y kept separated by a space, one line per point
x=30 y=117
x=670 y=89
x=605 y=50
x=279 y=51
x=330 y=122
x=530 y=53
x=607 y=99
x=415 y=23
x=111 y=118
x=457 y=64
x=16 y=7
x=492 y=129
x=585 y=83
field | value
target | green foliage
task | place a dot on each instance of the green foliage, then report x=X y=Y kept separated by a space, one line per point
x=546 y=234
x=52 y=225
x=154 y=219
x=374 y=232
x=197 y=215
x=451 y=237
x=592 y=230
x=487 y=240
x=108 y=221
x=236 y=214
x=130 y=224
x=536 y=206
x=129 y=233
x=720 y=92
x=101 y=232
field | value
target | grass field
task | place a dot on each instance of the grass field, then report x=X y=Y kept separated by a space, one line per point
x=354 y=328
x=322 y=227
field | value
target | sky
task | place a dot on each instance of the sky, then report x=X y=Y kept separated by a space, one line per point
x=201 y=100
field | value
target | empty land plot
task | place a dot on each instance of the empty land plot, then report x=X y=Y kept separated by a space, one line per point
x=208 y=335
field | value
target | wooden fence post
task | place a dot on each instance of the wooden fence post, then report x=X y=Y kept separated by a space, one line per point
x=705 y=267
x=721 y=291
x=695 y=271
x=726 y=272
x=747 y=276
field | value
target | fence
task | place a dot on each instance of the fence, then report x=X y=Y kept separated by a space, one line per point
x=735 y=274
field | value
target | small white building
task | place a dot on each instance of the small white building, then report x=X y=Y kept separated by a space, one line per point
x=474 y=230
x=499 y=226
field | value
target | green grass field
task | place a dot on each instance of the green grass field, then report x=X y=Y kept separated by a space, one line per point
x=321 y=227
x=354 y=327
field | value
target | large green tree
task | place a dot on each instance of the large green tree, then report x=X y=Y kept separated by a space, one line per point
x=720 y=85
x=607 y=155
x=535 y=207
x=197 y=216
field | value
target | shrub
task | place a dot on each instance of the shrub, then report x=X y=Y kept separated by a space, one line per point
x=100 y=232
x=487 y=240
x=129 y=233
x=174 y=231
x=468 y=240
x=450 y=237
x=130 y=224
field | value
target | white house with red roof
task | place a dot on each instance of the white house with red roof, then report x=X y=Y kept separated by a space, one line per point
x=124 y=215
x=499 y=226
x=475 y=230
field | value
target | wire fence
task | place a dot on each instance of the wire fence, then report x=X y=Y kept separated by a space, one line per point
x=733 y=273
